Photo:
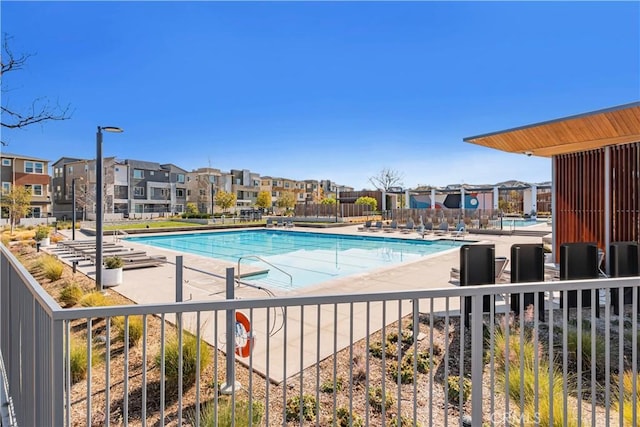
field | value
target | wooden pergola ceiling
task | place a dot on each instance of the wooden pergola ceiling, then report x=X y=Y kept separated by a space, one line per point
x=617 y=125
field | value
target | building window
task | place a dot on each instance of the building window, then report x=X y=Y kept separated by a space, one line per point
x=179 y=208
x=117 y=169
x=203 y=192
x=33 y=167
x=188 y=193
x=6 y=162
x=70 y=169
x=37 y=189
x=179 y=192
x=180 y=178
x=35 y=212
x=138 y=173
x=6 y=187
x=151 y=173
x=138 y=191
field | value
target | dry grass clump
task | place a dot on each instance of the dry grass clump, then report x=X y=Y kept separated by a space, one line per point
x=627 y=398
x=94 y=299
x=133 y=324
x=189 y=359
x=71 y=294
x=51 y=268
x=78 y=359
x=227 y=415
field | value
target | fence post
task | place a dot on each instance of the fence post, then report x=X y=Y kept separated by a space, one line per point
x=57 y=372
x=230 y=386
x=476 y=359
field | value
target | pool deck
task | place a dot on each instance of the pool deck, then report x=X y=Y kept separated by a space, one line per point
x=157 y=285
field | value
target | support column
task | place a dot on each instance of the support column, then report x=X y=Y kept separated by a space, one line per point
x=554 y=211
x=607 y=205
x=534 y=198
x=496 y=196
x=406 y=199
x=433 y=200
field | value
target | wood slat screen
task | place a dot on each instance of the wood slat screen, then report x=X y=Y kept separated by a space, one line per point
x=625 y=193
x=580 y=195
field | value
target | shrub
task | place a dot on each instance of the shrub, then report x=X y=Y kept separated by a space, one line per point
x=78 y=361
x=422 y=362
x=5 y=240
x=345 y=419
x=135 y=329
x=227 y=417
x=454 y=389
x=376 y=400
x=330 y=386
x=42 y=232
x=528 y=348
x=94 y=299
x=52 y=268
x=627 y=395
x=601 y=346
x=113 y=262
x=404 y=421
x=406 y=371
x=407 y=337
x=71 y=294
x=189 y=355
x=308 y=407
x=56 y=238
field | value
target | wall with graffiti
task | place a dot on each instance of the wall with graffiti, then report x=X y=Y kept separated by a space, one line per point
x=452 y=201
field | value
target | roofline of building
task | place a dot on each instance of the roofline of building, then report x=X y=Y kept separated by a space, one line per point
x=561 y=119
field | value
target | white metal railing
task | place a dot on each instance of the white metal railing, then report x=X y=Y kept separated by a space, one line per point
x=339 y=353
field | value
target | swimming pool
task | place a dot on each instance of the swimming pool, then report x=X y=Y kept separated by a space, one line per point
x=310 y=258
x=513 y=222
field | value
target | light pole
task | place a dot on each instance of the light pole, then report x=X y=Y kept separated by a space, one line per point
x=99 y=190
x=73 y=209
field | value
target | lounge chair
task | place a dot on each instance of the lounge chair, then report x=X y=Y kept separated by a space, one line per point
x=120 y=254
x=377 y=226
x=392 y=227
x=409 y=227
x=365 y=227
x=142 y=262
x=280 y=222
x=269 y=223
x=288 y=223
x=443 y=229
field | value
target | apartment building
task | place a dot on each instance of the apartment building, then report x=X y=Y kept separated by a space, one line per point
x=246 y=185
x=155 y=188
x=32 y=173
x=202 y=186
x=276 y=186
x=131 y=188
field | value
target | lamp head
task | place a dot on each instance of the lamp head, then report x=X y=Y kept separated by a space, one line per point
x=528 y=153
x=111 y=129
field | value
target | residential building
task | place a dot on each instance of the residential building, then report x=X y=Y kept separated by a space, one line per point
x=202 y=187
x=65 y=171
x=32 y=173
x=246 y=185
x=131 y=188
x=156 y=188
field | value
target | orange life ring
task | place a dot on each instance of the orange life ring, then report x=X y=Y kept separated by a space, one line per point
x=244 y=337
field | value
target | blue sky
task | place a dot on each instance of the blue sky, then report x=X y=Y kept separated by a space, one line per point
x=323 y=90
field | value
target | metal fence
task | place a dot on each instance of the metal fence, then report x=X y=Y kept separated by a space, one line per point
x=324 y=360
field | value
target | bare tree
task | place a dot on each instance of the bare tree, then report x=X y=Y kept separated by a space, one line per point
x=386 y=179
x=41 y=109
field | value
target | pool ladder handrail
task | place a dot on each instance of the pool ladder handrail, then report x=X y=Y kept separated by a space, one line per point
x=238 y=276
x=117 y=233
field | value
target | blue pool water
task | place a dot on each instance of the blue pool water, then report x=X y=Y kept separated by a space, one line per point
x=510 y=222
x=310 y=258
